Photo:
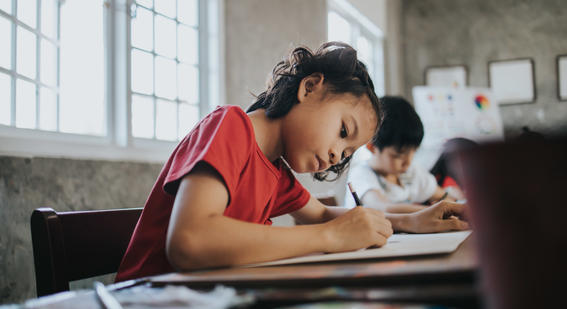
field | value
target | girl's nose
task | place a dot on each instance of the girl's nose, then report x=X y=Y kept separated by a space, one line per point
x=333 y=157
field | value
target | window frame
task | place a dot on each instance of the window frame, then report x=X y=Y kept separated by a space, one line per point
x=118 y=143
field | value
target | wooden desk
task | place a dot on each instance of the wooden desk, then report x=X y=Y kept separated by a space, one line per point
x=446 y=279
x=437 y=279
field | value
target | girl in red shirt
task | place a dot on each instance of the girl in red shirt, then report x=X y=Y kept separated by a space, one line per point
x=212 y=203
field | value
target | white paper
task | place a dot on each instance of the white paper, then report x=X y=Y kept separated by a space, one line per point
x=563 y=78
x=512 y=81
x=398 y=245
x=455 y=76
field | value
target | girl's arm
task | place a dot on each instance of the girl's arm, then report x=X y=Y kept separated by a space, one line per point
x=440 y=217
x=200 y=236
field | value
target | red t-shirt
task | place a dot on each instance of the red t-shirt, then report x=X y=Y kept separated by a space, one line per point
x=258 y=189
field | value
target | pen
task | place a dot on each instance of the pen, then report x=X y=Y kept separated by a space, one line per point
x=108 y=301
x=354 y=195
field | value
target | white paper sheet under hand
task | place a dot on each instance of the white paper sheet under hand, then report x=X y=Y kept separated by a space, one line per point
x=398 y=245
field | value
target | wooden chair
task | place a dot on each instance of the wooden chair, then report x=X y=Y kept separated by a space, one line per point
x=75 y=245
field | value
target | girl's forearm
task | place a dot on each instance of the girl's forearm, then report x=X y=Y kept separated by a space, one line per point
x=400 y=222
x=223 y=241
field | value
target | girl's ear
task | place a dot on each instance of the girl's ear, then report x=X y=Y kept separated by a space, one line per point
x=310 y=84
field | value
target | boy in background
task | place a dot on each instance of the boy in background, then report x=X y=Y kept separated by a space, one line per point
x=389 y=181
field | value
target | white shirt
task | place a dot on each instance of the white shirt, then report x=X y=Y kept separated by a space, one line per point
x=417 y=184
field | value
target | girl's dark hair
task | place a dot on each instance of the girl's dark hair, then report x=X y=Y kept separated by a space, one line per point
x=342 y=71
x=401 y=127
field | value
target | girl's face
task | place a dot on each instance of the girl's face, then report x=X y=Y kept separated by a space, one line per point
x=325 y=128
x=391 y=160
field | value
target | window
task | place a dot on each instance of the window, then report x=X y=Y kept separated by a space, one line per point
x=347 y=25
x=165 y=69
x=115 y=75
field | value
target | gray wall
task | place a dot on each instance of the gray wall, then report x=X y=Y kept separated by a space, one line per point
x=63 y=184
x=443 y=32
x=260 y=33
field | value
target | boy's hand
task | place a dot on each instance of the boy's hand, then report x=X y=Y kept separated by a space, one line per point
x=440 y=217
x=358 y=228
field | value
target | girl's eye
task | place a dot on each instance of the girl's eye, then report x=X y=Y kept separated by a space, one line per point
x=344 y=132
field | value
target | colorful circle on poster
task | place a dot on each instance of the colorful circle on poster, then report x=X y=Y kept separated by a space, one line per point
x=481 y=101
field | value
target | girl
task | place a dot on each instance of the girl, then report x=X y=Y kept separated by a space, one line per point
x=212 y=203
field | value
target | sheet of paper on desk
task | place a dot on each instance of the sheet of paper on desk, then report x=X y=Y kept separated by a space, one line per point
x=398 y=245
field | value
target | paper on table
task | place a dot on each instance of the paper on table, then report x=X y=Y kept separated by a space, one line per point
x=398 y=245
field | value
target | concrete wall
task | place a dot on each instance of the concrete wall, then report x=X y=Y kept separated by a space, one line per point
x=63 y=184
x=260 y=33
x=443 y=32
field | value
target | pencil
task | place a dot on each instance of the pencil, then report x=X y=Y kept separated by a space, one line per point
x=354 y=195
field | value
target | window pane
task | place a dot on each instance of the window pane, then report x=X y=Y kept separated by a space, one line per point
x=142 y=72
x=365 y=53
x=49 y=18
x=188 y=12
x=142 y=116
x=5 y=99
x=166 y=7
x=188 y=44
x=48 y=63
x=25 y=104
x=26 y=53
x=6 y=6
x=188 y=117
x=82 y=104
x=166 y=120
x=6 y=35
x=142 y=29
x=146 y=3
x=47 y=109
x=339 y=28
x=188 y=83
x=165 y=36
x=165 y=78
x=27 y=12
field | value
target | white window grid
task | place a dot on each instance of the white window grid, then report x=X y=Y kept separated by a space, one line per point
x=36 y=80
x=181 y=102
x=119 y=143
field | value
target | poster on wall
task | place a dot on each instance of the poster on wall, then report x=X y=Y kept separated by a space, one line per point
x=448 y=112
x=512 y=81
x=446 y=76
x=562 y=77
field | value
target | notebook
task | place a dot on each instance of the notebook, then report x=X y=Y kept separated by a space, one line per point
x=398 y=245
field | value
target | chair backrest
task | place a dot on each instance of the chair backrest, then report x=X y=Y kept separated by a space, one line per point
x=516 y=192
x=75 y=245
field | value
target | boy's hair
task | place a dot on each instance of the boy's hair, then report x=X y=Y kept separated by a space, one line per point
x=342 y=71
x=401 y=127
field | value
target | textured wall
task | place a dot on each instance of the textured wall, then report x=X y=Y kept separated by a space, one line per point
x=442 y=32
x=259 y=33
x=62 y=184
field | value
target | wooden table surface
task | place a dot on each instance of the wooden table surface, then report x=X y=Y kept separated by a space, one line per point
x=457 y=267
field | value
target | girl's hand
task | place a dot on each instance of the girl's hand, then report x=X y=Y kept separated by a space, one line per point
x=358 y=228
x=440 y=217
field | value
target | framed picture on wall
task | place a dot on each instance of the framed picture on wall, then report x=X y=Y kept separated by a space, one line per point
x=446 y=76
x=562 y=77
x=512 y=81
